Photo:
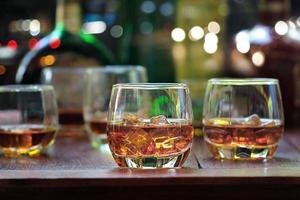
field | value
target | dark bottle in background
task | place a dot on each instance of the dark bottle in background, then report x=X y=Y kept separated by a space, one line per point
x=66 y=46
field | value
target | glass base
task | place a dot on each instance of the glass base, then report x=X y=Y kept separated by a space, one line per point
x=234 y=152
x=152 y=162
x=97 y=141
x=16 y=152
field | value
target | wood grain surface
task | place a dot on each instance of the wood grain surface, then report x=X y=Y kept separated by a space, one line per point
x=72 y=169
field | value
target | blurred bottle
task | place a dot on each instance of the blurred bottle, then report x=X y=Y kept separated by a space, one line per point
x=66 y=46
x=198 y=47
x=146 y=40
x=270 y=49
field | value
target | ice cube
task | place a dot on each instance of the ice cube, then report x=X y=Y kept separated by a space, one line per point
x=138 y=141
x=253 y=120
x=130 y=119
x=159 y=119
x=269 y=123
x=217 y=122
x=218 y=135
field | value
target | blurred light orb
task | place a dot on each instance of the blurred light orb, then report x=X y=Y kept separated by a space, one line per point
x=32 y=42
x=211 y=38
x=214 y=27
x=210 y=47
x=178 y=34
x=292 y=24
x=242 y=36
x=281 y=28
x=196 y=33
x=12 y=44
x=2 y=69
x=146 y=28
x=25 y=24
x=148 y=7
x=258 y=58
x=47 y=60
x=94 y=27
x=19 y=25
x=116 y=31
x=243 y=46
x=242 y=42
x=260 y=34
x=35 y=27
x=166 y=9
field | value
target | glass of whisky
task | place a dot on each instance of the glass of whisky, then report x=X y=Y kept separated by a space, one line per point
x=28 y=119
x=243 y=118
x=150 y=125
x=97 y=90
x=68 y=84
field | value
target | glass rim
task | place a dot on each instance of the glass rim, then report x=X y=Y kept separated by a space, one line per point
x=243 y=81
x=151 y=86
x=119 y=68
x=105 y=68
x=26 y=88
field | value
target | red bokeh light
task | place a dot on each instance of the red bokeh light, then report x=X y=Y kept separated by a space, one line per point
x=12 y=44
x=55 y=43
x=32 y=42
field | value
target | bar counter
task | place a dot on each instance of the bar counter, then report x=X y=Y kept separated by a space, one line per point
x=73 y=170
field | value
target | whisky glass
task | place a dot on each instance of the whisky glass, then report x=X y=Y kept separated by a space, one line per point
x=68 y=83
x=150 y=125
x=243 y=118
x=97 y=90
x=28 y=119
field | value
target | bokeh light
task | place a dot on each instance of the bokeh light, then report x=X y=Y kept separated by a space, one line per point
x=166 y=9
x=242 y=42
x=196 y=33
x=148 y=7
x=12 y=44
x=116 y=31
x=55 y=43
x=94 y=27
x=281 y=28
x=146 y=27
x=25 y=24
x=47 y=60
x=258 y=58
x=2 y=69
x=211 y=38
x=214 y=27
x=32 y=42
x=34 y=27
x=178 y=34
x=210 y=47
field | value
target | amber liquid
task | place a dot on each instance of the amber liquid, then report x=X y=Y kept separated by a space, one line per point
x=242 y=141
x=70 y=116
x=98 y=126
x=150 y=145
x=29 y=139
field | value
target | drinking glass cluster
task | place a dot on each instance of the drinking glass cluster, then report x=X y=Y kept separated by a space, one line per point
x=147 y=125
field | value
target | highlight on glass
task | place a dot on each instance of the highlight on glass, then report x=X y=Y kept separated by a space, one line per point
x=150 y=125
x=28 y=119
x=243 y=118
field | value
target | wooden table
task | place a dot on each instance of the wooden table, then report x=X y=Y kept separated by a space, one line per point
x=73 y=170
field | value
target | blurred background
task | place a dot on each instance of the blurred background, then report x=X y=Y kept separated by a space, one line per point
x=177 y=41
